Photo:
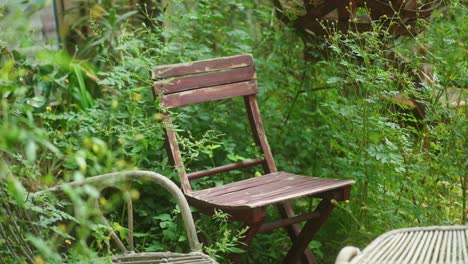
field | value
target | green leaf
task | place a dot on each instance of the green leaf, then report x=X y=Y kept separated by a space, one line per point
x=236 y=250
x=156 y=246
x=163 y=217
x=36 y=102
x=30 y=150
x=17 y=189
x=169 y=234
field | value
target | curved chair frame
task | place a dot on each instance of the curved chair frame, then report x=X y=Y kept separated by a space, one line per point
x=110 y=180
x=434 y=244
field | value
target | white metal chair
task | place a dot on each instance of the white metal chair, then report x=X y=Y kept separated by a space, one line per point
x=435 y=244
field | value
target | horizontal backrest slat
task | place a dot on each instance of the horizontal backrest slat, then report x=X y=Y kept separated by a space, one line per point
x=183 y=84
x=225 y=168
x=181 y=69
x=191 y=82
x=208 y=94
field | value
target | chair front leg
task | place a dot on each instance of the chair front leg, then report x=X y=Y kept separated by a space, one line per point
x=253 y=223
x=308 y=232
x=286 y=211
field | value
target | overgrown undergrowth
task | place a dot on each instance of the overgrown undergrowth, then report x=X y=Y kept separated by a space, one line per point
x=361 y=112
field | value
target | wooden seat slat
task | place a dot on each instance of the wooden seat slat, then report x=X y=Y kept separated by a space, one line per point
x=209 y=94
x=263 y=189
x=278 y=178
x=240 y=185
x=286 y=196
x=266 y=183
x=193 y=82
x=271 y=190
x=180 y=69
x=309 y=188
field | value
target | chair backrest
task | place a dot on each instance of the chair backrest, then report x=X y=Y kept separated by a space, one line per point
x=207 y=80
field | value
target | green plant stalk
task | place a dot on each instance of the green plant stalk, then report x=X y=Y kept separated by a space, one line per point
x=83 y=95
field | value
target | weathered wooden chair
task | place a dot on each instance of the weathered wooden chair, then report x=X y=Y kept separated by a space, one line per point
x=201 y=81
x=128 y=254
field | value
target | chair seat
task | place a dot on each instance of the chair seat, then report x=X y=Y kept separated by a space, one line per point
x=266 y=190
x=163 y=257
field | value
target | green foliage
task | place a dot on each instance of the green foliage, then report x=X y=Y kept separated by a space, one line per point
x=225 y=241
x=64 y=118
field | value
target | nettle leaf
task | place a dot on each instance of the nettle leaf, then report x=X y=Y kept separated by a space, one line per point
x=169 y=234
x=17 y=190
x=163 y=217
x=156 y=246
x=236 y=250
x=334 y=80
x=235 y=157
x=30 y=150
x=137 y=234
x=37 y=101
x=120 y=230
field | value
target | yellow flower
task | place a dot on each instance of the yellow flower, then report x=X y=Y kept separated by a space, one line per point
x=96 y=11
x=67 y=241
x=102 y=200
x=62 y=228
x=136 y=97
x=114 y=103
x=139 y=137
x=158 y=117
x=39 y=260
x=121 y=164
x=134 y=194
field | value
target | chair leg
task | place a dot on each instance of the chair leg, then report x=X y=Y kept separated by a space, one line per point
x=308 y=232
x=286 y=211
x=254 y=222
